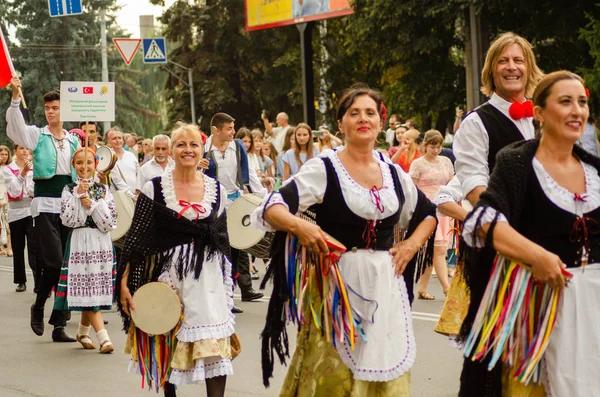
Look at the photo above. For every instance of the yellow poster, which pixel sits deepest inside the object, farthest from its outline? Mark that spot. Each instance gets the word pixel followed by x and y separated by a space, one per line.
pixel 264 14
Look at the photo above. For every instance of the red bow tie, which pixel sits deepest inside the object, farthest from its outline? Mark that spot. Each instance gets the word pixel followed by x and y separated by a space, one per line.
pixel 187 205
pixel 519 110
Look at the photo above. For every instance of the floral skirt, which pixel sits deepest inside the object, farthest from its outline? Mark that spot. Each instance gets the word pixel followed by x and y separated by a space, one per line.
pixel 317 370
pixel 455 307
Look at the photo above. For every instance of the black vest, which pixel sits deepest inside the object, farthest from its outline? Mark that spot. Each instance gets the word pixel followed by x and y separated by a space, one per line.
pixel 335 217
pixel 500 129
pixel 548 225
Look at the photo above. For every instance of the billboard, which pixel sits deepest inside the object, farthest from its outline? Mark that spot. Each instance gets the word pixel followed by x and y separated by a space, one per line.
pixel 265 14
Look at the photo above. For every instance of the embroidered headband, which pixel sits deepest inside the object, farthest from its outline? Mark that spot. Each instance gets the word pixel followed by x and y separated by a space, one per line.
pixel 81 149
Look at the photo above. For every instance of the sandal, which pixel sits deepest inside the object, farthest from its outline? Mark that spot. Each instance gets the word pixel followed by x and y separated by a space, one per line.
pixel 425 296
pixel 10 253
pixel 107 347
pixel 2 253
pixel 85 341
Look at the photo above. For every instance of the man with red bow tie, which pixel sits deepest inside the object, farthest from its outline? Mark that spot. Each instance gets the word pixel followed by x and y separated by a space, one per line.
pixel 508 76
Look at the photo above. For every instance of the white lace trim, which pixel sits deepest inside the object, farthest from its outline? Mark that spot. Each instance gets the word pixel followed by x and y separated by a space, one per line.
pixel 564 198
pixel 443 198
pixel 469 226
pixel 400 368
pixel 201 372
pixel 257 216
pixel 214 331
pixel 347 181
pixel 210 196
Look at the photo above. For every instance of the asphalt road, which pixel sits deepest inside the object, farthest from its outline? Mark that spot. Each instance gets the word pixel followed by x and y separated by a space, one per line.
pixel 32 366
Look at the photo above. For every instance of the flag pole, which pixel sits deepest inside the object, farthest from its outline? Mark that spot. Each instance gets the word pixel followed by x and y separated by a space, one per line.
pixel 12 67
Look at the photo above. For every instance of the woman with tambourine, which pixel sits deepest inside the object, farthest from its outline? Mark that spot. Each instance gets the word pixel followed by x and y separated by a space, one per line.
pixel 542 210
pixel 177 238
pixel 353 307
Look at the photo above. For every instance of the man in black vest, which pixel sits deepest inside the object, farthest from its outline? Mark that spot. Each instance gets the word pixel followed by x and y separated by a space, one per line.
pixel 509 75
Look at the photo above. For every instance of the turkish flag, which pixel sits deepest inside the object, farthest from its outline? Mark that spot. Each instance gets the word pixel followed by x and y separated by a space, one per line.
pixel 88 90
pixel 5 63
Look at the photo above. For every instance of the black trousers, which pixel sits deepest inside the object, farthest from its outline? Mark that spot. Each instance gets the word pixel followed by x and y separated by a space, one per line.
pixel 241 265
pixel 20 231
pixel 51 238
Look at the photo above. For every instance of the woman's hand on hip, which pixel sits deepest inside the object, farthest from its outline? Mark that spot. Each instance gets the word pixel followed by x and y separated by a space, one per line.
pixel 311 236
pixel 402 253
pixel 548 269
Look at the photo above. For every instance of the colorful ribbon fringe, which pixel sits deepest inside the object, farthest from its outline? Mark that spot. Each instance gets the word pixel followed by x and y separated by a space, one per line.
pixel 305 273
pixel 514 321
pixel 152 354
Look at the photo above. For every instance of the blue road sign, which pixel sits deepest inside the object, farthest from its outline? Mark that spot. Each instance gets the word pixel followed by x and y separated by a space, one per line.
pixel 59 8
pixel 155 50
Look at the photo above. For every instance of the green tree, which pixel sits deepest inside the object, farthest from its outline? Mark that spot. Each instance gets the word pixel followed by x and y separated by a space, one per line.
pixel 235 71
pixel 51 50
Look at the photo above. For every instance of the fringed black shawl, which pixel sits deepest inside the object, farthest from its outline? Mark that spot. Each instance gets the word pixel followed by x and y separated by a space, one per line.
pixel 506 193
pixel 274 335
pixel 155 233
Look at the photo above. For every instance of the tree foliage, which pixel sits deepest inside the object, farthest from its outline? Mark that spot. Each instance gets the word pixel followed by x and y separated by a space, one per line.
pixel 50 50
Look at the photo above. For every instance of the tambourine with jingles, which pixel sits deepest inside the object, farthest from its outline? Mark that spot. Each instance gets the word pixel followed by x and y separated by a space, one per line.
pixel 107 159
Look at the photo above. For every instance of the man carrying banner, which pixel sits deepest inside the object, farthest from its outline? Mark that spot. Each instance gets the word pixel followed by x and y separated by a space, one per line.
pixel 53 148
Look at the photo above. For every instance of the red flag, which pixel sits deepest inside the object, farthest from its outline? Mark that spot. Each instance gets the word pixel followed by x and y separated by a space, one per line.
pixel 6 67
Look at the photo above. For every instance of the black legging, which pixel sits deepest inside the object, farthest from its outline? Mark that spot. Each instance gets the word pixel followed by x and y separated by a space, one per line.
pixel 215 387
pixel 20 231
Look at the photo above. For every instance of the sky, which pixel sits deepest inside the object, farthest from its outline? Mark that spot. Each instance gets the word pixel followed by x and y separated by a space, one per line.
pixel 129 16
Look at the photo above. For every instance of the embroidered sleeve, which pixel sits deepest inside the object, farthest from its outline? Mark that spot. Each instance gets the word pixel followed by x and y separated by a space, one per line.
pixel 14 184
pixel 104 213
pixel 410 197
pixel 300 192
pixel 450 192
pixel 72 213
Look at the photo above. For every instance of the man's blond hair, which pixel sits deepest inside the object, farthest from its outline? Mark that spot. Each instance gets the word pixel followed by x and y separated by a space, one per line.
pixel 534 74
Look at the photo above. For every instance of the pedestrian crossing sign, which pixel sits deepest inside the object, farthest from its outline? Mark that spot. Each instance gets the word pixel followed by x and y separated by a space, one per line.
pixel 155 50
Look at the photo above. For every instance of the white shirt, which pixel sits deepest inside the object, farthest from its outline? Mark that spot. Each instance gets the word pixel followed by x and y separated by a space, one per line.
pixel 152 169
pixel 28 136
pixel 17 186
pixel 279 137
pixel 472 144
pixel 390 134
pixel 227 169
pixel 127 167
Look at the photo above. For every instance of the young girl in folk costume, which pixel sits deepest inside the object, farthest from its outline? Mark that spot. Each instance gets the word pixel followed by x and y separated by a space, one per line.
pixel 429 173
pixel 302 151
pixel 18 176
pixel 5 159
pixel 412 152
pixel 87 277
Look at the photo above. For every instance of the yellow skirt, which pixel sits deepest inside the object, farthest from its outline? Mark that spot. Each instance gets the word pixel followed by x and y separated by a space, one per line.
pixel 316 370
pixel 514 388
pixel 455 307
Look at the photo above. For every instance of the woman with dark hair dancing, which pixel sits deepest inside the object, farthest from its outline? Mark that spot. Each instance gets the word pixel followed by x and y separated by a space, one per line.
pixel 356 333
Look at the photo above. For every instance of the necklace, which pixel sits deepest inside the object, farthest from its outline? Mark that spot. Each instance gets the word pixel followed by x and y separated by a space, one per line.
pixel 61 143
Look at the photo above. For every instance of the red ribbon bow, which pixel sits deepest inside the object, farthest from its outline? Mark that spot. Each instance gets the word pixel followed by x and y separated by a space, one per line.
pixel 187 205
pixel 519 110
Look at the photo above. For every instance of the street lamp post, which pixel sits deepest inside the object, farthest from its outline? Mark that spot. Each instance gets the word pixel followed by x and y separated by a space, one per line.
pixel 189 84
